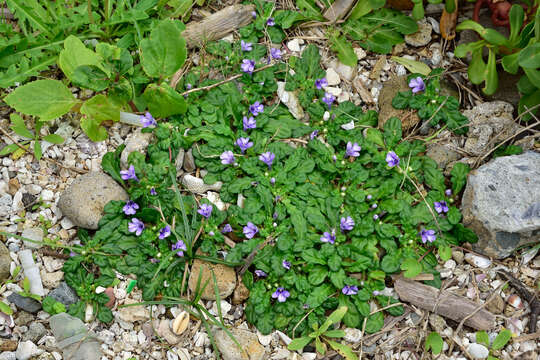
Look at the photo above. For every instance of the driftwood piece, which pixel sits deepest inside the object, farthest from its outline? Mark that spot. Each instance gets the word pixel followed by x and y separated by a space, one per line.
pixel 338 9
pixel 446 304
pixel 218 25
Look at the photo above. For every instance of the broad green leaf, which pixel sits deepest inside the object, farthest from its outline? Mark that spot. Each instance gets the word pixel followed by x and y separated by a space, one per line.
pixel 76 54
pixel 392 132
pixel 375 136
pixel 53 139
pixel 342 350
pixel 459 176
pixel 18 126
pixel 516 18
pixel 38 153
pixel 164 52
pixel 309 9
pixel 374 322
pixel 530 56
pixel 333 318
pixel 5 308
pixel 412 267
pixel 450 6
pixel 334 333
pixel 445 253
pixel 470 25
pixel 96 110
pixel 482 338
pixel 360 9
pixel 8 149
pixel 502 339
pixel 477 67
pixel 412 65
pixel 46 99
pixel 528 102
pixel 510 63
pixel 344 49
pixel 22 10
pixel 299 343
pixel 434 342
pixel 164 101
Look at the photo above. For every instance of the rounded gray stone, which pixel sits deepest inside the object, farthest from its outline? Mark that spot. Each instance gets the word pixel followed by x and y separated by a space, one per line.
pixel 5 262
pixel 501 204
pixel 83 201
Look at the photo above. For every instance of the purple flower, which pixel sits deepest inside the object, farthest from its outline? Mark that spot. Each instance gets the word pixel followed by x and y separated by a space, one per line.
pixel 350 290
pixel 260 273
pixel 376 293
pixel 441 207
pixel 189 86
pixel 153 192
pixel 250 230
pixel 226 229
pixel 205 210
pixel 392 159
pixel 253 14
pixel 328 99
pixel 448 192
pixel 375 217
pixel 417 85
pixel 275 53
pixel 369 197
pixel 244 144
pixel 72 254
pixel 346 224
pixel 249 123
pixel 246 46
pixel 270 22
pixel 272 180
pixel 248 66
pixel 257 108
pixel 147 120
pixel 154 260
pixel 374 206
pixel 136 226
pixel 129 173
pixel 164 232
pixel 281 294
pixel 180 246
pixel 353 150
pixel 320 83
pixel 428 235
pixel 329 237
pixel 211 233
pixel 267 158
pixel 286 264
pixel 227 157
pixel 130 208
pixel 313 134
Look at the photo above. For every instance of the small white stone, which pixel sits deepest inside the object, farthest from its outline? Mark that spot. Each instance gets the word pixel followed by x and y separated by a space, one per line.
pixel 287 340
pixel 47 195
pixel 100 289
pixel 352 335
pixel 26 350
pixel 309 356
pixel 171 355
pixel 360 53
pixel 264 339
pixel 478 351
pixel 229 38
pixel 450 264
pixel 66 223
pixel 348 126
pixel 333 90
pixel 345 72
pixel 326 116
pixel 332 77
pixel 400 70
pixel 294 45
pixel 478 261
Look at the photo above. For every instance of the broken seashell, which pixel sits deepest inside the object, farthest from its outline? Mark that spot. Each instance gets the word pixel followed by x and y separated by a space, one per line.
pixel 515 301
pixel 478 261
pixel 180 323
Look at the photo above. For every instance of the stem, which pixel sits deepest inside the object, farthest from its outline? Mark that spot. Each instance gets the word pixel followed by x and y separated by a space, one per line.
pixel 90 16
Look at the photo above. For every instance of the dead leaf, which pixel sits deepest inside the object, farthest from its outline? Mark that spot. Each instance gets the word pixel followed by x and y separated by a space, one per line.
pixel 448 23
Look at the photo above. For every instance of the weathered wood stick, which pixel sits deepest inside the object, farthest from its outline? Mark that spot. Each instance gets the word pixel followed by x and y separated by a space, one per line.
pixel 338 9
pixel 449 305
pixel 218 25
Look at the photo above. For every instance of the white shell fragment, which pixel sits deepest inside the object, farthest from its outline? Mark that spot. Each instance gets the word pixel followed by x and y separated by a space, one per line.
pixel 477 261
pixel 180 323
pixel 197 185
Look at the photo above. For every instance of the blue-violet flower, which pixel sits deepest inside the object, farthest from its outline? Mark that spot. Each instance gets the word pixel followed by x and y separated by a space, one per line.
pixel 205 210
pixel 250 230
pixel 350 290
pixel 417 85
pixel 353 150
pixel 281 294
pixel 130 208
pixel 248 66
pixel 164 232
pixel 249 123
pixel 392 159
pixel 129 174
pixel 267 158
pixel 246 46
pixel 244 144
pixel 441 207
pixel 428 235
pixel 136 226
pixel 346 224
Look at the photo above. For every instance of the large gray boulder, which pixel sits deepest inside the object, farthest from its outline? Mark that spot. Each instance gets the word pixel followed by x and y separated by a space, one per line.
pixel 83 201
pixel 501 204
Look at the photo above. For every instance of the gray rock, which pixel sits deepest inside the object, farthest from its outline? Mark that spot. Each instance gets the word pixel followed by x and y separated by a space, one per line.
pixel 64 294
pixel 5 262
pixel 137 141
pixel 179 162
pixel 8 355
pixel 73 338
pixel 422 37
pixel 442 154
pixel 23 318
pixel 225 279
pixel 189 161
pixel 83 201
pixel 487 121
pixel 249 342
pixel 25 303
pixel 35 234
pixel 501 204
pixel 478 351
pixel 5 204
pixel 35 332
pixel 27 350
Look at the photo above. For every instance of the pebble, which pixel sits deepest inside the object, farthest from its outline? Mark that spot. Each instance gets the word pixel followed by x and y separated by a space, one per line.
pixel 189 161
pixel 478 351
pixel 352 335
pixel 422 37
pixel 332 77
pixel 64 294
pixel 5 262
pixel 450 264
pixel 25 303
pixel 478 261
pixel 360 53
pixel 47 195
pixel 35 234
pixel 36 331
pixel 51 280
pixel 133 313
pixel 27 350
pixel 458 256
pixel 294 45
pixel 136 141
pixel 225 278
pixel 264 339
pixel 248 341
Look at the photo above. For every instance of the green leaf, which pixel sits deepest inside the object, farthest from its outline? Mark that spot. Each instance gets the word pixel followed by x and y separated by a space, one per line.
pixel 76 54
pixel 342 350
pixel 412 65
pixel 529 57
pixel 502 339
pixel 5 308
pixel 392 132
pixel 492 80
pixel 105 315
pixel 52 306
pixel 510 63
pixel 96 110
pixel 335 333
pixel 38 153
pixel 24 11
pixel 164 101
pixel 375 322
pixel 434 342
pixel 412 267
pixel 482 338
pixel 333 318
pixel 18 126
pixel 344 49
pixel 111 163
pixel 459 176
pixel 8 149
pixel 53 139
pixel 46 99
pixel 375 136
pixel 517 15
pixel 445 253
pixel 299 343
pixel 164 52
pixel 477 67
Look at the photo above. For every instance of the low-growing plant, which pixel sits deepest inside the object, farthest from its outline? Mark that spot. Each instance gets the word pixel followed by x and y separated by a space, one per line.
pixel 434 342
pixel 519 53
pixel 500 341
